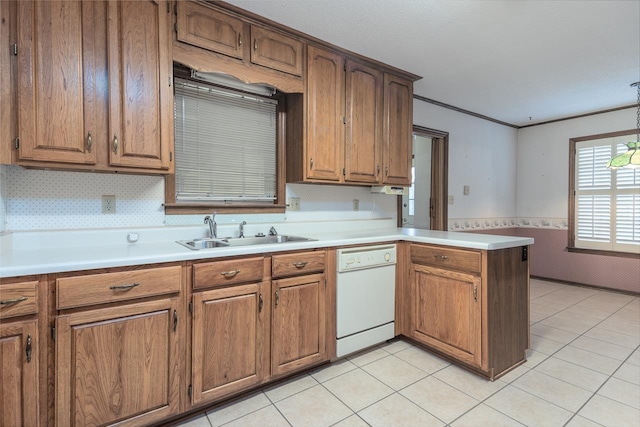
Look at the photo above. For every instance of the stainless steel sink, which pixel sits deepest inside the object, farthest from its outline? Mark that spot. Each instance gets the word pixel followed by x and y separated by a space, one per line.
pixel 197 244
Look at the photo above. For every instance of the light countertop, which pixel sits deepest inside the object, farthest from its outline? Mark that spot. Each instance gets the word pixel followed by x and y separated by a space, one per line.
pixel 29 259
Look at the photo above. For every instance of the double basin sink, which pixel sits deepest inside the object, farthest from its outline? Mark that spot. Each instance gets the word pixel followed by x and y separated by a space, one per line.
pixel 210 243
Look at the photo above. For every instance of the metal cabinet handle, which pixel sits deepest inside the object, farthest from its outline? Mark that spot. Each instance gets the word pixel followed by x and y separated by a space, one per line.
pixel 13 301
pixel 441 257
pixel 28 349
pixel 255 44
pixel 124 287
pixel 115 144
pixel 260 303
pixel 299 264
pixel 386 171
pixel 175 320
pixel 89 142
pixel 240 39
pixel 311 163
pixel 277 297
pixel 229 274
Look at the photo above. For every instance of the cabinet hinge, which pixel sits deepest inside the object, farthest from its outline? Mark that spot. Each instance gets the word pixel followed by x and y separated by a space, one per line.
pixel 344 66
pixel 175 9
pixel 175 27
pixel 170 156
pixel 16 143
pixel 344 172
pixel 168 7
pixel 15 49
pixel 53 333
pixel 191 307
pixel 344 120
pixel 189 390
pixel 475 293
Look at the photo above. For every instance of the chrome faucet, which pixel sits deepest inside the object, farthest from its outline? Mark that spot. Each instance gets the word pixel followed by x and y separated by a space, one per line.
pixel 213 226
pixel 273 232
pixel 242 224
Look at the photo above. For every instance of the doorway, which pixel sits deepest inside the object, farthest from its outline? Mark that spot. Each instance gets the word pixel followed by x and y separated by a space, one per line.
pixel 425 206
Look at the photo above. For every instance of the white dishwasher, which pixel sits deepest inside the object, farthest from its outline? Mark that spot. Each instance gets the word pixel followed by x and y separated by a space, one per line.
pixel 365 300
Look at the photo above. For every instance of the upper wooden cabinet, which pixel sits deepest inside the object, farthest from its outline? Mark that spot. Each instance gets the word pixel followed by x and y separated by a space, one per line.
pixel 57 83
pixel 354 125
pixel 397 130
pixel 363 141
pixel 275 50
pixel 140 84
pixel 212 29
pixel 323 159
pixel 96 89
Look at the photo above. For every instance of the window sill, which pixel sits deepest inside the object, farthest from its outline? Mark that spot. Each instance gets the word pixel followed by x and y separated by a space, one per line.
pixel 207 208
pixel 603 253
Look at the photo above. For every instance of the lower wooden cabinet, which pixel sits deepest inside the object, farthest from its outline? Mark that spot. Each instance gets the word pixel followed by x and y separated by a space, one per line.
pixel 230 333
pixel 445 311
pixel 19 373
pixel 298 336
pixel 469 305
pixel 118 364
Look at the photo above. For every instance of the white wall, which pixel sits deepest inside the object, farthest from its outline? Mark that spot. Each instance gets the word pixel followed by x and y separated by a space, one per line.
pixel 51 200
pixel 482 155
pixel 543 161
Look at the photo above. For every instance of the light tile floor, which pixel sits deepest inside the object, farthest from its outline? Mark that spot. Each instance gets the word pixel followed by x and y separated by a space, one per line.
pixel 583 369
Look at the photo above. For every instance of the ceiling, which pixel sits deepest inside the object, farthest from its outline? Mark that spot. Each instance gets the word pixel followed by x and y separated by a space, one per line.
pixel 520 62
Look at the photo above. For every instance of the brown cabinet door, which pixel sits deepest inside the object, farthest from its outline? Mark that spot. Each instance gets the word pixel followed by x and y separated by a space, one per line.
pixel 210 29
pixel 230 332
pixel 364 124
pixel 445 311
pixel 325 115
pixel 118 364
pixel 56 81
pixel 19 374
pixel 298 335
pixel 276 51
pixel 141 98
pixel 398 129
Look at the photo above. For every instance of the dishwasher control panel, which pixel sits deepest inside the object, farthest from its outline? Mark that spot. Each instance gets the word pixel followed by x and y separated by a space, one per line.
pixel 366 257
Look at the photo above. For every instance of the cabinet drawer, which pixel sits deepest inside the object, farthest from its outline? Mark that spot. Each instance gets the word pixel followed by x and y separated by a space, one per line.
pixel 94 289
pixel 297 263
pixel 18 299
pixel 221 273
pixel 447 258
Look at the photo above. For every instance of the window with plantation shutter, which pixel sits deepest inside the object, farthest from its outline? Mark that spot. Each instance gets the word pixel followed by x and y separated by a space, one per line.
pixel 606 201
pixel 225 145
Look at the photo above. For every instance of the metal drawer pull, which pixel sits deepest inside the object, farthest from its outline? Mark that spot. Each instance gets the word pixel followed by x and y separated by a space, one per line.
pixel 299 264
pixel 229 274
pixel 255 44
pixel 240 39
pixel 28 349
pixel 115 144
pixel 13 301
pixel 442 257
pixel 124 287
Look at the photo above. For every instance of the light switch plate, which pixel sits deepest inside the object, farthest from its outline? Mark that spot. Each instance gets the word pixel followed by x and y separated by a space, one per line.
pixel 294 203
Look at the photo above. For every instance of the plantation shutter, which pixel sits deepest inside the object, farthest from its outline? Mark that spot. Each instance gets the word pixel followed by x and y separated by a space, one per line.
pixel 225 145
pixel 607 202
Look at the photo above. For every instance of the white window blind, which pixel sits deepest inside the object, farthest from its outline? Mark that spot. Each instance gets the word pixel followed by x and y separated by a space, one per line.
pixel 607 202
pixel 225 145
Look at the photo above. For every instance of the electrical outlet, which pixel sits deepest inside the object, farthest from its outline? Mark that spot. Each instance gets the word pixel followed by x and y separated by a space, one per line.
pixel 450 199
pixel 294 203
pixel 465 190
pixel 356 204
pixel 109 204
